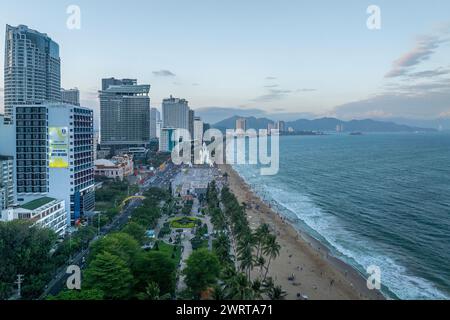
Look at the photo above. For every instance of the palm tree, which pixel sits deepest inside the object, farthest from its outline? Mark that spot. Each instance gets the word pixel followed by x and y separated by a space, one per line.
pixel 272 250
pixel 239 288
pixel 246 258
pixel 276 293
pixel 260 236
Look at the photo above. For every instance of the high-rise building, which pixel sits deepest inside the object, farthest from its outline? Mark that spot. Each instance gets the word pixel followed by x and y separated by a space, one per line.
pixel 124 114
pixel 32 69
pixel 281 126
pixel 167 139
pixel 191 122
pixel 106 83
pixel 54 155
pixel 6 182
pixel 155 116
pixel 175 113
pixel 198 130
pixel 159 126
pixel 241 124
pixel 70 96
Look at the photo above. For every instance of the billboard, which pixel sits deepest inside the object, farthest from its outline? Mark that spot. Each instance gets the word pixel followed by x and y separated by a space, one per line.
pixel 58 147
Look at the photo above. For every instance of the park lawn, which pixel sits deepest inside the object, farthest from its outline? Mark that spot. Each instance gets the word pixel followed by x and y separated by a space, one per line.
pixel 181 223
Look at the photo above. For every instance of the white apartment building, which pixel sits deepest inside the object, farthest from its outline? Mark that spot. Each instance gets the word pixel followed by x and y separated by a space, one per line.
pixel 44 212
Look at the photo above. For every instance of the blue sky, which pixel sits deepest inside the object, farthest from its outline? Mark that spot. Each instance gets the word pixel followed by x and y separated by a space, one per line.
pixel 283 57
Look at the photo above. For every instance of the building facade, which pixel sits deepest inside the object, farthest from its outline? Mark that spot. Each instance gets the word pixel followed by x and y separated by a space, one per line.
pixel 175 113
pixel 32 69
pixel 44 212
pixel 54 155
pixel 155 117
pixel 167 139
pixel 70 96
pixel 119 167
pixel 198 130
pixel 125 115
pixel 6 182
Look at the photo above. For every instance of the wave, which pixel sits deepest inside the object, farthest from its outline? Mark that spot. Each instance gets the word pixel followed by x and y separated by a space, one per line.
pixel 346 245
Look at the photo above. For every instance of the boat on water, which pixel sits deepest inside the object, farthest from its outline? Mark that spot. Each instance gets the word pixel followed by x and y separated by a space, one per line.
pixel 356 134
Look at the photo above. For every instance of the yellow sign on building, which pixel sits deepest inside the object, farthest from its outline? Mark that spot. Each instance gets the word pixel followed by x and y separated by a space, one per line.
pixel 58 147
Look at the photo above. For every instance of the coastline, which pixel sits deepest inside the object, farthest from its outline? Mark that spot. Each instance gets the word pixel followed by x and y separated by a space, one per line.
pixel 317 274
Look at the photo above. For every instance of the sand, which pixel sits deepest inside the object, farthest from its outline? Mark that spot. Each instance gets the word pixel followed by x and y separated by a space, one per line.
pixel 316 274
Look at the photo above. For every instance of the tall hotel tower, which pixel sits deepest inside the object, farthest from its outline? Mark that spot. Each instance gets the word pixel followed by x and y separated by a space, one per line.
pixel 52 141
pixel 124 114
pixel 32 69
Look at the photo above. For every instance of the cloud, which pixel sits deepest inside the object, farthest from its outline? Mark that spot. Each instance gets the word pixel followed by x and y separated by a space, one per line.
pixel 424 100
pixel 271 86
pixel 423 50
pixel 271 78
pixel 273 95
pixel 306 90
pixel 164 73
pixel 195 84
pixel 429 73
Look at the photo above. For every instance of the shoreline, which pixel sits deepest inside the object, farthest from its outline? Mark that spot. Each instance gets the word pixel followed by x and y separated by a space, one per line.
pixel 305 266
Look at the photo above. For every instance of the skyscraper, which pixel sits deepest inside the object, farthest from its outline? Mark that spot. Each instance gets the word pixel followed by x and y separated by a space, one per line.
pixel 124 114
pixel 155 116
pixel 106 83
pixel 191 122
pixel 71 96
pixel 32 69
pixel 198 130
pixel 175 113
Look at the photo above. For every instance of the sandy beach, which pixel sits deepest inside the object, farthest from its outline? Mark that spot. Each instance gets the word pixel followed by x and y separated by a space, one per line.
pixel 304 266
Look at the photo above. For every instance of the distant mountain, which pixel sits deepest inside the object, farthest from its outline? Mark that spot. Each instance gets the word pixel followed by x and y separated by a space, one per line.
pixel 252 122
pixel 324 124
pixel 439 123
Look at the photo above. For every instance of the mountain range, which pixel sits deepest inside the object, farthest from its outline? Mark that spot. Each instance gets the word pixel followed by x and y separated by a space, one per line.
pixel 324 125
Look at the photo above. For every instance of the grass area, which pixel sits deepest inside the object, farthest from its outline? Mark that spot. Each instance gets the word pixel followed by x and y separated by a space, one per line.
pixel 170 251
pixel 184 223
pixel 33 205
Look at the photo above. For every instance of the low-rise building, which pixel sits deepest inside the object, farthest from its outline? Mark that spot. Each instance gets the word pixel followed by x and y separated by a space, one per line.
pixel 44 212
pixel 118 167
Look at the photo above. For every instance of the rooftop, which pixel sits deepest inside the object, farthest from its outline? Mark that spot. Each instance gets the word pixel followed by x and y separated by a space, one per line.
pixel 35 204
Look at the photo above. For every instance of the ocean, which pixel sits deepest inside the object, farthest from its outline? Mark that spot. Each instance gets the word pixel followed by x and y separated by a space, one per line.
pixel 374 200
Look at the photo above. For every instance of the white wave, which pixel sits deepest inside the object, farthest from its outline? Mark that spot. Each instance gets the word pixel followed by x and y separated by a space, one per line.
pixel 354 249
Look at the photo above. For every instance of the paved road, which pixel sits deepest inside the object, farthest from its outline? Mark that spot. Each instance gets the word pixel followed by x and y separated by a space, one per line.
pixel 59 281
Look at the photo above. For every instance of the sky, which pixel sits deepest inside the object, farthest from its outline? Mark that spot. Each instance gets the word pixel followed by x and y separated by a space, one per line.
pixel 269 57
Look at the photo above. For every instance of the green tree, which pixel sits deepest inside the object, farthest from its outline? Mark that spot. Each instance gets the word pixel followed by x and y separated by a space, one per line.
pixel 110 274
pixel 93 294
pixel 202 271
pixel 271 249
pixel 136 231
pixel 119 244
pixel 156 267
pixel 25 250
